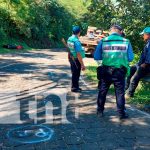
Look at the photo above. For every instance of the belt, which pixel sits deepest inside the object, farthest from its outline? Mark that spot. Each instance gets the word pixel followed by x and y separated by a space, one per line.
pixel 112 68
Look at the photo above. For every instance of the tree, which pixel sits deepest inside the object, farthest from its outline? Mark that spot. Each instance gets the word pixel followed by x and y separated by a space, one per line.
pixel 132 15
pixel 41 23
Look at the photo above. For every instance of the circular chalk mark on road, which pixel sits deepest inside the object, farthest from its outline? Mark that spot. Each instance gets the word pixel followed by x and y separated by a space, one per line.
pixel 30 134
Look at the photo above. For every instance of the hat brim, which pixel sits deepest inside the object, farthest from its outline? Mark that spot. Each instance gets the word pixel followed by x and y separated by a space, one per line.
pixel 144 33
pixel 141 33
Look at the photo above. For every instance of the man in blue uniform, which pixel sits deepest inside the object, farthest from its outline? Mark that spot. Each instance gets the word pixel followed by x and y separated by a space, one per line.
pixel 142 68
pixel 115 53
pixel 77 54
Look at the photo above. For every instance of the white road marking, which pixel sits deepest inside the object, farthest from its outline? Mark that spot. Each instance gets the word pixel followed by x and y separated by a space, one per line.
pixel 141 112
pixel 8 65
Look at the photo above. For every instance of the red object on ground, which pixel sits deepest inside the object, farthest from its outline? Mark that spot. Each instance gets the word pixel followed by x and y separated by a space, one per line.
pixel 19 47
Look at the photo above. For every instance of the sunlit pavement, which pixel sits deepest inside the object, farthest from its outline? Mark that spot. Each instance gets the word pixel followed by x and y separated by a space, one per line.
pixel 35 90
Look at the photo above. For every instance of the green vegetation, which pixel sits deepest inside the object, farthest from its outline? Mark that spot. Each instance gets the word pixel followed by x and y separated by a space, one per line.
pixel 91 72
pixel 76 7
pixel 14 42
pixel 38 23
pixel 132 15
pixel 92 76
pixel 142 95
pixel 42 23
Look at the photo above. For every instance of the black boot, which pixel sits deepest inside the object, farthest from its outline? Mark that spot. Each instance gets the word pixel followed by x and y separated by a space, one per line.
pixel 123 116
pixel 100 113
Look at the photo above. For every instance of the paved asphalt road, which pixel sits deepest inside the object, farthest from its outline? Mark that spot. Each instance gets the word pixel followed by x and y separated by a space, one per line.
pixel 35 90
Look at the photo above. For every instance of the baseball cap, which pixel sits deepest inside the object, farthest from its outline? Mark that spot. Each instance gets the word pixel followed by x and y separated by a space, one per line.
pixel 116 27
pixel 146 30
pixel 76 29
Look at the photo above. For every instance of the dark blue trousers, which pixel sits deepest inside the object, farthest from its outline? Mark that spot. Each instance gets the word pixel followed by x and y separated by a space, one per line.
pixel 136 73
pixel 114 76
pixel 75 70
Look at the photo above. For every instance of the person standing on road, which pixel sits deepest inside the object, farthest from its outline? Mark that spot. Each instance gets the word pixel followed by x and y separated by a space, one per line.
pixel 142 68
pixel 77 54
pixel 115 53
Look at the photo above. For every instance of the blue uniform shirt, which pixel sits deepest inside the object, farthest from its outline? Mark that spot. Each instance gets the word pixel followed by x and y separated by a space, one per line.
pixel 77 46
pixel 98 52
pixel 145 56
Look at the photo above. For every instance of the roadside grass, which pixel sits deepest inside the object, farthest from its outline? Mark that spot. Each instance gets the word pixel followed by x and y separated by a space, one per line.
pixel 142 94
pixel 91 73
pixel 92 76
pixel 14 42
